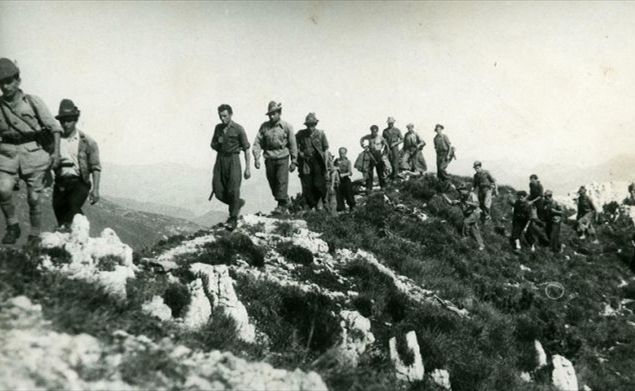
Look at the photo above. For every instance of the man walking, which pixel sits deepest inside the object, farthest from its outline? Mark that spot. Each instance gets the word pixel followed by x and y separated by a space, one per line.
pixel 412 159
pixel 276 141
pixel 228 141
pixel 443 147
pixel 24 122
pixel 375 147
pixel 312 167
pixel 79 161
pixel 469 206
pixel 485 187
pixel 551 213
pixel 586 215
pixel 393 138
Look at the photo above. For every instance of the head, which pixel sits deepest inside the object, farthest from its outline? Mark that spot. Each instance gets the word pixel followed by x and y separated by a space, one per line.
pixel 582 190
pixel 548 195
pixel 410 127
pixel 68 123
pixel 342 152
pixel 225 113
pixel 533 178
pixel 311 121
pixel 390 121
pixel 438 128
pixel 9 78
pixel 478 166
pixel 522 194
pixel 374 129
pixel 274 110
pixel 68 116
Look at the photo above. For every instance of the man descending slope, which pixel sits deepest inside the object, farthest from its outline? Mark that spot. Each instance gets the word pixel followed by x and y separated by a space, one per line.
pixel 276 141
pixel 24 122
pixel 393 138
pixel 79 161
pixel 551 213
pixel 468 203
pixel 312 167
pixel 485 187
pixel 228 140
pixel 586 215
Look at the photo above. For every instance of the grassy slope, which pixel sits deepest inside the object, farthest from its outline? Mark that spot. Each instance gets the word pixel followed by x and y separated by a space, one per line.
pixel 509 305
pixel 485 352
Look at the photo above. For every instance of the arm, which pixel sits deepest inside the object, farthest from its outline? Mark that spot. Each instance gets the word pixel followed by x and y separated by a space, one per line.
pixel 347 172
pixel 215 144
pixel 449 201
pixel 47 121
pixel 494 185
pixel 244 144
pixel 94 193
pixel 447 142
pixel 293 148
pixel 257 148
pixel 94 165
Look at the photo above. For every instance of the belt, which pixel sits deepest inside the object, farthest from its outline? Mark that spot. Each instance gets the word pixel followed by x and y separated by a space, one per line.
pixel 68 179
pixel 17 141
pixel 228 153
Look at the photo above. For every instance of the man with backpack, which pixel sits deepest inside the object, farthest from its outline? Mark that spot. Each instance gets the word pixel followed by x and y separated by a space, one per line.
pixel 27 131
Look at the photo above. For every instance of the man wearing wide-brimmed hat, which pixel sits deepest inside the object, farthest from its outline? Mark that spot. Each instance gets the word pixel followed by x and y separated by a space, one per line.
pixel 393 137
pixel 24 122
pixel 312 147
pixel 79 161
pixel 276 141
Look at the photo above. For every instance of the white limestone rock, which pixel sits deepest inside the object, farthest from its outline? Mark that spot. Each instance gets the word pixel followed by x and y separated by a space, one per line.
pixel 157 308
pixel 541 356
pixel 441 377
pixel 415 370
pixel 199 310
pixel 563 375
pixel 219 287
pixel 356 335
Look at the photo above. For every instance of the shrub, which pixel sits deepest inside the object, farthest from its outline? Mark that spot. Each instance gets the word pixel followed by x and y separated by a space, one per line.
pixel 177 297
pixel 295 254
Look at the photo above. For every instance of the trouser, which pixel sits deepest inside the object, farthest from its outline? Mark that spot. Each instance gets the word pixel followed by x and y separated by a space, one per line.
pixel 34 187
pixel 471 228
pixel 552 229
pixel 345 193
pixel 377 165
pixel 394 157
pixel 226 182
pixel 69 195
pixel 313 183
pixel 485 200
pixel 518 225
pixel 278 178
pixel 442 165
pixel 412 160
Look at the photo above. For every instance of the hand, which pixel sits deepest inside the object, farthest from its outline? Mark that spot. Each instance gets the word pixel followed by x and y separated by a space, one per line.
pixel 247 173
pixel 257 164
pixel 94 196
pixel 55 161
pixel 292 166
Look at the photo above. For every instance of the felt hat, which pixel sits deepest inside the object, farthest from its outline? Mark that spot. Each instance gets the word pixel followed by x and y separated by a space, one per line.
pixel 521 193
pixel 273 107
pixel 391 120
pixel 438 126
pixel 67 109
pixel 311 118
pixel 8 68
pixel 477 164
pixel 410 125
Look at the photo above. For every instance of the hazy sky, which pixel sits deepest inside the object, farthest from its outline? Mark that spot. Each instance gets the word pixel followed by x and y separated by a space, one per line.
pixel 524 82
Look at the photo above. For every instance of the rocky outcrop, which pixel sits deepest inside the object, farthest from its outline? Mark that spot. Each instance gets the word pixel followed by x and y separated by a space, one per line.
pixel 563 375
pixel 104 260
pixel 541 356
pixel 356 335
pixel 199 310
pixel 407 372
pixel 157 308
pixel 441 377
pixel 219 288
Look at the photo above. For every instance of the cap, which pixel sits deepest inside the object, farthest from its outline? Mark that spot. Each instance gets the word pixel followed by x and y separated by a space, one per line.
pixel 8 68
pixel 477 164
pixel 311 118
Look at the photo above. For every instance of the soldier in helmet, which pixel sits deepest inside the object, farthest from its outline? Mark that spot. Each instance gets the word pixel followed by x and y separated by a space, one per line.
pixel 27 130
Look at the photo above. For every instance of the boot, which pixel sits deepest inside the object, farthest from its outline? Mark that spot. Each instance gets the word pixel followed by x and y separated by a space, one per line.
pixel 12 235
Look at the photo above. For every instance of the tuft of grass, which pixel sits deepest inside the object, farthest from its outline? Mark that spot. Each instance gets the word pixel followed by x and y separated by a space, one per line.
pixel 295 254
pixel 285 228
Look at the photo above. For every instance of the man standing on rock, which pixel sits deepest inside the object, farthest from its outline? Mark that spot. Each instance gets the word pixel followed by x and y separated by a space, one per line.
pixel 312 162
pixel 228 141
pixel 27 128
pixel 393 138
pixel 443 147
pixel 375 147
pixel 79 161
pixel 485 187
pixel 276 141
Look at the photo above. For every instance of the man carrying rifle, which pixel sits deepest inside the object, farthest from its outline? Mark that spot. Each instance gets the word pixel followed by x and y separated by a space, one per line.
pixel 375 147
pixel 27 129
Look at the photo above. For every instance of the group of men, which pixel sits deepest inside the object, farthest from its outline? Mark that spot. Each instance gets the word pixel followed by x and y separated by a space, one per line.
pixel 33 147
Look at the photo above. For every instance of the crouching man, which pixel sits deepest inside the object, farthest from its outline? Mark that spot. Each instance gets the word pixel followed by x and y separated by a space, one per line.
pixel 79 162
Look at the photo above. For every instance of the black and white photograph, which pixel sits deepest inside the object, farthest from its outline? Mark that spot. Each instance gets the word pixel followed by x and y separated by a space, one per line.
pixel 317 195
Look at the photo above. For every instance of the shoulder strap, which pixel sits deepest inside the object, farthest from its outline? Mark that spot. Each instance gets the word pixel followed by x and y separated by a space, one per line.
pixel 6 119
pixel 29 100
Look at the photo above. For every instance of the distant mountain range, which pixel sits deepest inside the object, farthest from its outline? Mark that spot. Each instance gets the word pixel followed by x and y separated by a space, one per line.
pixel 182 191
pixel 136 228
